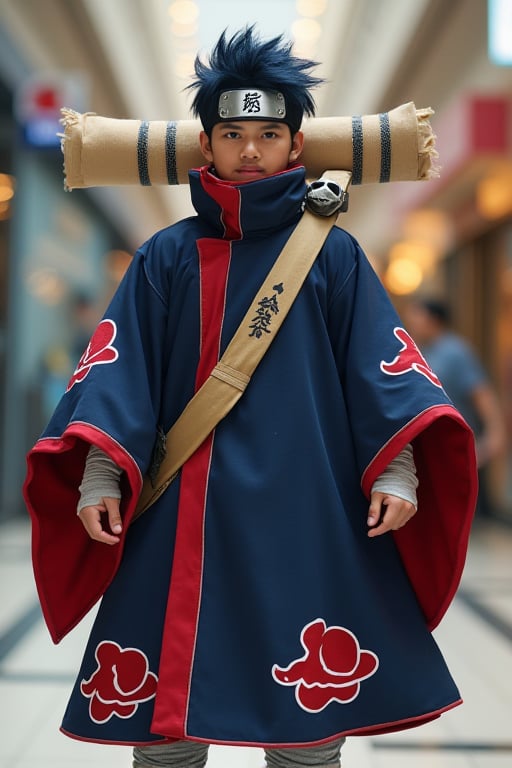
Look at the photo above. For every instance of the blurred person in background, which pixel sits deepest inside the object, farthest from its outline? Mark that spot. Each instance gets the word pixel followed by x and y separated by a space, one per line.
pixel 465 381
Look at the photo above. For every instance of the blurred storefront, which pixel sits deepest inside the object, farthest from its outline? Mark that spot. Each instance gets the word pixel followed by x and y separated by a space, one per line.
pixel 457 244
pixel 7 192
pixel 61 258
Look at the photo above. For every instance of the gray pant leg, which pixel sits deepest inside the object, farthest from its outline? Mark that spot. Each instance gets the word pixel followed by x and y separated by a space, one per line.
pixel 192 754
pixel 179 754
pixel 320 756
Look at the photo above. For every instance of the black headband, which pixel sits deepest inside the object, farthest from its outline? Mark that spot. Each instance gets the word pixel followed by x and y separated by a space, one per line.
pixel 253 104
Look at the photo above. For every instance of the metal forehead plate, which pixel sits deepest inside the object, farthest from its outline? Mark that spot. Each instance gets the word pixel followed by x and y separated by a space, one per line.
pixel 245 103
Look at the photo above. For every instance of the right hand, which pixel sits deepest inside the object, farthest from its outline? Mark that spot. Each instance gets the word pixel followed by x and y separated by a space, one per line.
pixel 94 522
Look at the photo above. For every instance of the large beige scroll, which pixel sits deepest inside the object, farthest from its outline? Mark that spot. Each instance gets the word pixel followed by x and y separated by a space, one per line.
pixel 398 145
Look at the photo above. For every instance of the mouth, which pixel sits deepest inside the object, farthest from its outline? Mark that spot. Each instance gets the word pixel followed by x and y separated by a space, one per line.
pixel 250 170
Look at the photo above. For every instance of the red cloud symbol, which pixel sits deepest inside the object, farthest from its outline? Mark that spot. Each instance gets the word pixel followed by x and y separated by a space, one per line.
pixel 331 669
pixel 120 683
pixel 99 351
pixel 409 358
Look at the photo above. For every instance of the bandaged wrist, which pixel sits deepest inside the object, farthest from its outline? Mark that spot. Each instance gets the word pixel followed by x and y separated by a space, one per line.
pixel 100 479
pixel 399 478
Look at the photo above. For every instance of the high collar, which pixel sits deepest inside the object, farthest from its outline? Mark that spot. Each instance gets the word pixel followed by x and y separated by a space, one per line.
pixel 250 209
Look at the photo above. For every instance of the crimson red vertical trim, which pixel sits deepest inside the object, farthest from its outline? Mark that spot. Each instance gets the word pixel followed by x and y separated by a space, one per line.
pixel 179 639
pixel 214 257
pixel 227 196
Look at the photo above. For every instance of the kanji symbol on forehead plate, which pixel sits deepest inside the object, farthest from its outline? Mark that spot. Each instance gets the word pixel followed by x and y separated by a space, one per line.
pixel 251 102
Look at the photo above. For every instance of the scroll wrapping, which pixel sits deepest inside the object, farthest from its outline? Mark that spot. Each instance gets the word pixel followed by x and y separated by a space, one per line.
pixel 398 145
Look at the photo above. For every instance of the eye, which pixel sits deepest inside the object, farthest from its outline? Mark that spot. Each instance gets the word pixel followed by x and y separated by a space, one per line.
pixel 231 135
pixel 269 135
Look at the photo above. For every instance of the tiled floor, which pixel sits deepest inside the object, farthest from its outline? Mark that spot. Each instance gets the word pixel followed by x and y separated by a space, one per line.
pixel 476 638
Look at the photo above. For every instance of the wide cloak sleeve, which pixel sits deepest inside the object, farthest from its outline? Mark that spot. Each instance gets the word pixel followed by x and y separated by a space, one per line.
pixel 393 398
pixel 112 401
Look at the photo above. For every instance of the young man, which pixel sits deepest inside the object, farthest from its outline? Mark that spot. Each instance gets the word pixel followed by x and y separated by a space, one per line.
pixel 273 595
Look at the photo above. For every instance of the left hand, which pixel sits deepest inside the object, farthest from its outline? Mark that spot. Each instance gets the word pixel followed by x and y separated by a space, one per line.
pixel 93 520
pixel 388 513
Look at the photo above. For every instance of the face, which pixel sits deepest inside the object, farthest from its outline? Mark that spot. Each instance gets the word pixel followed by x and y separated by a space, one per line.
pixel 250 149
pixel 421 325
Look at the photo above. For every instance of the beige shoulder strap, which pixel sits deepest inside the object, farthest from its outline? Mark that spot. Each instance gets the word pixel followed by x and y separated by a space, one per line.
pixel 230 377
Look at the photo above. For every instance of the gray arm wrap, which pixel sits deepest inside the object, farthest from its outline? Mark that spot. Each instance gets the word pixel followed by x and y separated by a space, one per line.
pixel 399 477
pixel 101 478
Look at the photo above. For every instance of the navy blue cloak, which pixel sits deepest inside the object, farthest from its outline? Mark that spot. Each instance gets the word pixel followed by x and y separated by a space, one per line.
pixel 248 605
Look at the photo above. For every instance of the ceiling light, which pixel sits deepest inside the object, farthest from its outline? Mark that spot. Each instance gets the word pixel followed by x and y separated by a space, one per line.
pixel 184 11
pixel 311 7
pixel 494 193
pixel 6 187
pixel 403 276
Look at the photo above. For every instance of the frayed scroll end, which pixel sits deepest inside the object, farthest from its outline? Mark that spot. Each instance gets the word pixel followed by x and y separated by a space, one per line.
pixel 71 145
pixel 69 117
pixel 428 167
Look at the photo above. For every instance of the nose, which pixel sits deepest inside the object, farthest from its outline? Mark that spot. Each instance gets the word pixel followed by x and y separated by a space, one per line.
pixel 250 150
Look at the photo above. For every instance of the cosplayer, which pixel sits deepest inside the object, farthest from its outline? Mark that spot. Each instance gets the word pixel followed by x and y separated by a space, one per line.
pixel 281 592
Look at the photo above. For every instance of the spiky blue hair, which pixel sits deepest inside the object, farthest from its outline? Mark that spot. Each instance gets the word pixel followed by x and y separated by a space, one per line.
pixel 243 61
